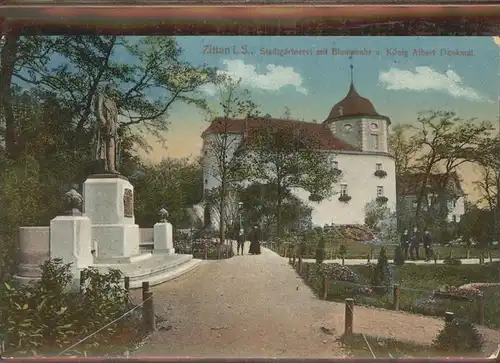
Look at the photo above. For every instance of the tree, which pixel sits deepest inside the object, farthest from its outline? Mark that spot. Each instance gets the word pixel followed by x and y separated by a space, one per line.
pixel 259 202
pixel 223 148
pixel 286 156
pixel 148 72
pixel 174 184
pixel 489 184
pixel 381 278
pixel 444 142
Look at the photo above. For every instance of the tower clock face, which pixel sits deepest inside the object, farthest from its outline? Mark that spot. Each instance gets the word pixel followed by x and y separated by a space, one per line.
pixel 374 126
pixel 347 127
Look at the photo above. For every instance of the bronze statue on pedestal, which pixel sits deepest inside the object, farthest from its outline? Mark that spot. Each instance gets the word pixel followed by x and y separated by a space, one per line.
pixel 106 138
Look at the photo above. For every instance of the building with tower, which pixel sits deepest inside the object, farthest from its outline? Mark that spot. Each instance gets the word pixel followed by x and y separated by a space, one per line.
pixel 355 133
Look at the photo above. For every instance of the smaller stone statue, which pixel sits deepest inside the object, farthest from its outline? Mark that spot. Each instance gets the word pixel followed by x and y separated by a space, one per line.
pixel 163 215
pixel 73 202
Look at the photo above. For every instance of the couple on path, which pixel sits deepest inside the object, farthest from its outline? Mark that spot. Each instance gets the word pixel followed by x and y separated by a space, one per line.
pixel 412 243
pixel 254 242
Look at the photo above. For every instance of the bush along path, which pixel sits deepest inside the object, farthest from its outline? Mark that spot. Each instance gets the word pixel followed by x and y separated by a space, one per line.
pixel 47 317
pixel 257 306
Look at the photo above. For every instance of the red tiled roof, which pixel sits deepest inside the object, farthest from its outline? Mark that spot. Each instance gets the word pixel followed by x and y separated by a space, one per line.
pixel 319 133
pixel 353 105
pixel 412 183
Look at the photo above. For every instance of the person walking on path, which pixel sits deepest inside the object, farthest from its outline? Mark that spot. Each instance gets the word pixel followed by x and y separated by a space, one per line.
pixel 254 242
pixel 405 243
pixel 427 240
pixel 415 244
pixel 241 241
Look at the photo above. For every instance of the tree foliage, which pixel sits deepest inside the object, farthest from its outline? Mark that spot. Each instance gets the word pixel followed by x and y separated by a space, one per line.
pixel 287 157
pixel 174 184
pixel 259 208
pixel 437 144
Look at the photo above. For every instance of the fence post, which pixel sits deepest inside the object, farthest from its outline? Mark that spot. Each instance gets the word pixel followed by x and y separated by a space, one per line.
pixel 480 309
pixel 293 260
pixel 325 287
pixel 82 280
pixel 127 283
pixel 396 297
pixel 306 272
pixel 490 256
pixel 149 312
pixel 448 317
pixel 205 253
pixel 349 316
pixel 299 268
pixel 145 289
pixel 368 257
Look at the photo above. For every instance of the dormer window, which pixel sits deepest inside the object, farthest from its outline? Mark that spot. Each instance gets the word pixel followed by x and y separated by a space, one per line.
pixel 378 166
pixel 347 127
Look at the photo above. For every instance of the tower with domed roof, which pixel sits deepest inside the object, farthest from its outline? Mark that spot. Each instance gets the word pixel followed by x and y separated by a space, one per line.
pixel 355 120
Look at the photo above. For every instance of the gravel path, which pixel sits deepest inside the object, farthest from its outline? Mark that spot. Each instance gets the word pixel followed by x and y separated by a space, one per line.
pixel 257 306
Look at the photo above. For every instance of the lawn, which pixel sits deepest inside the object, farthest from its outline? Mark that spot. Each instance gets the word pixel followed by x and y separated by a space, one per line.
pixel 417 284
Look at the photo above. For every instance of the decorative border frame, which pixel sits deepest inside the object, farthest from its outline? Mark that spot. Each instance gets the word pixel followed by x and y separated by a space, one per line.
pixel 251 18
pixel 216 19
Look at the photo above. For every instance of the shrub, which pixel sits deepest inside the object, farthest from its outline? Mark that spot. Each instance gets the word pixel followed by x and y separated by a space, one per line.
pixel 320 250
pixel 336 272
pixel 452 261
pixel 381 278
pixel 399 258
pixel 459 336
pixel 50 313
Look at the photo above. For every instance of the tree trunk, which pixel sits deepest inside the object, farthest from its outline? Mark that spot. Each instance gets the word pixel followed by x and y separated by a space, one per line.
pixel 7 63
pixel 497 209
pixel 222 216
pixel 279 203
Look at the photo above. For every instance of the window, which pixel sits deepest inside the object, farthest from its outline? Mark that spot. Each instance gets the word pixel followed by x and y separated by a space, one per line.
pixel 343 189
pixel 335 164
pixel 380 191
pixel 378 166
pixel 375 141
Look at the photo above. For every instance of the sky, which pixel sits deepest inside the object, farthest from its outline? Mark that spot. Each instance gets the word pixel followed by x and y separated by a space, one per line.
pixel 393 73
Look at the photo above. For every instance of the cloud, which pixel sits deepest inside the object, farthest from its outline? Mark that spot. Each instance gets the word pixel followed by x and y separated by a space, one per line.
pixel 427 79
pixel 273 78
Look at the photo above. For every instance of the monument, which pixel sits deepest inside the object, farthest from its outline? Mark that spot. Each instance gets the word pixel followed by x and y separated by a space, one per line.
pixel 108 195
pixel 98 229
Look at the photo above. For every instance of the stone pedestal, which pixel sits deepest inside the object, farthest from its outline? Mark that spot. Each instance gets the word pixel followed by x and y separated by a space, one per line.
pixel 116 240
pixel 163 238
pixel 109 203
pixel 71 241
pixel 108 199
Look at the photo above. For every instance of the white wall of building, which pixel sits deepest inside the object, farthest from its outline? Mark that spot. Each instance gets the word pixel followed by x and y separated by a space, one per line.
pixel 358 175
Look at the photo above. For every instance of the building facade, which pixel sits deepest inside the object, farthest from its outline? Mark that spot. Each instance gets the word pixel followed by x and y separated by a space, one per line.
pixel 355 135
